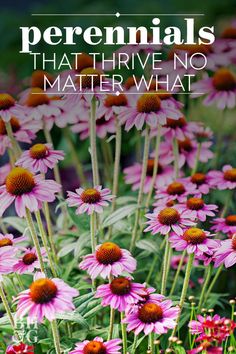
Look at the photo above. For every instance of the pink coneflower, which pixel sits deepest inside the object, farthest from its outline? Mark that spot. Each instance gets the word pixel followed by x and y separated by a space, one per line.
pixel 199 208
pixel 26 191
pixel 133 175
pixel 152 317
pixel 226 225
pixel 120 293
pixel 38 105
pixel 9 108
pixel 108 260
pixel 225 179
pixel 175 128
pixel 4 170
pixel 193 240
pixel 189 151
pixel 149 109
pixel 226 253
pixel 103 127
pixel 112 104
pixel 7 260
pixel 40 158
pixel 98 346
pixel 20 348
pixel 23 130
pixel 8 240
pixel 177 191
pixel 150 296
pixel 90 200
pixel 169 219
pixel 201 180
pixel 45 298
pixel 29 262
pixel 220 89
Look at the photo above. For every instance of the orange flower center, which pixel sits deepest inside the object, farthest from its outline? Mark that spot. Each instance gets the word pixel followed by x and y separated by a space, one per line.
pixel 91 78
pixel 234 242
pixel 150 167
pixel 94 347
pixel 6 101
pixel 29 258
pixel 37 78
pixel 175 188
pixel 36 97
pixel 198 178
pixel 175 123
pixel 194 235
pixel 38 151
pixel 83 61
pixel 148 102
pixel 19 181
pixel 195 203
pixel 91 196
pixel 15 125
pixel 150 313
pixel 230 220
pixel 230 175
pixel 113 100
pixel 168 216
pixel 108 253
pixel 224 80
pixel 130 82
pixel 229 33
pixel 43 291
pixel 164 94
pixel 185 145
pixel 120 286
pixel 5 242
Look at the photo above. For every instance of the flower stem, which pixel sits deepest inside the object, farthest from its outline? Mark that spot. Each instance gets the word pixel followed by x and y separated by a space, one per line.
pixel 134 344
pixel 214 280
pixel 56 337
pixel 8 310
pixel 116 169
pixel 205 285
pixel 93 146
pixel 165 267
pixel 35 238
pixel 152 268
pixel 184 289
pixel 155 167
pixel 177 273
pixel 116 163
pixel 140 195
pixel 15 146
pixel 176 156
pixel 194 170
pixel 75 157
pixel 151 341
pixel 111 325
pixel 3 227
pixel 45 243
pixel 93 231
pixel 50 232
pixel 124 333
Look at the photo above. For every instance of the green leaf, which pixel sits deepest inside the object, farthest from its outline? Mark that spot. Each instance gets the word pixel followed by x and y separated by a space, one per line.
pixel 119 214
pixel 148 245
pixel 81 221
pixel 67 249
pixel 74 316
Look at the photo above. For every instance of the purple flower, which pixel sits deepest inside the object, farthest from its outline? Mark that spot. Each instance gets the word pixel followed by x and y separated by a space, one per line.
pixel 226 253
pixel 225 179
pixel 97 345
